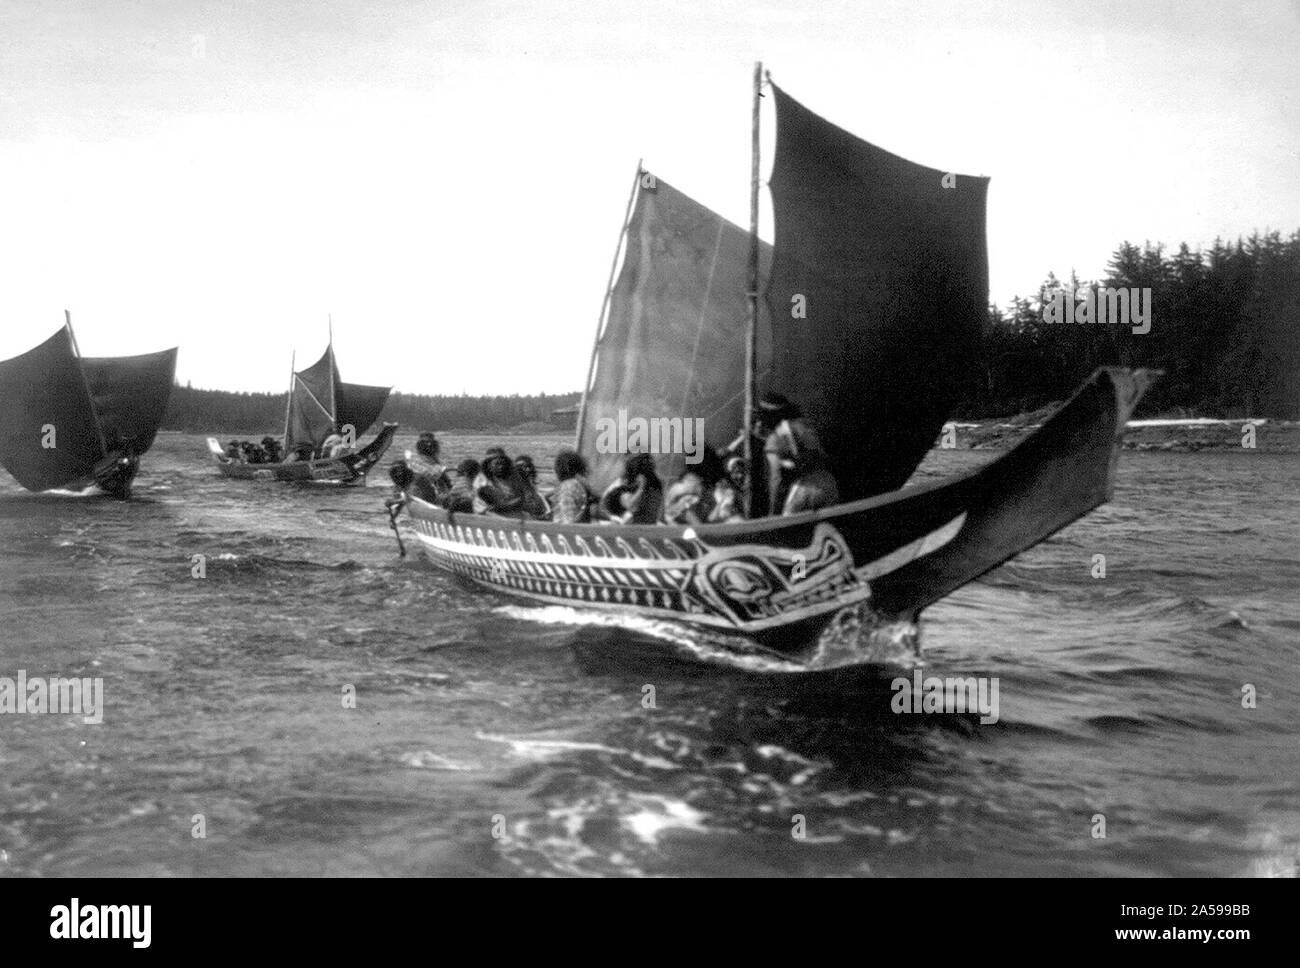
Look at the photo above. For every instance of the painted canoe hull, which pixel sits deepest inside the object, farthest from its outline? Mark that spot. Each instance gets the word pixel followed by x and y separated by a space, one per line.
pixel 351 469
pixel 782 581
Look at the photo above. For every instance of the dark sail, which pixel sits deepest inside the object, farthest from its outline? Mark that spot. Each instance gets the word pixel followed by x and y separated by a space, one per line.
pixel 892 268
pixel 673 345
pixel 130 395
pixel 310 400
pixel 316 379
pixel 310 417
pixel 44 388
pixel 359 405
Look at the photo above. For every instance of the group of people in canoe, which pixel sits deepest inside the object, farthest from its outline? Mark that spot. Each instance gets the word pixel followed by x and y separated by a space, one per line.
pixel 252 452
pixel 796 476
pixel 270 451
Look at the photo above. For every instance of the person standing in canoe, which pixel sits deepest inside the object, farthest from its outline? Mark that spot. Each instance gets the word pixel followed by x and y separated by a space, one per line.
pixel 798 471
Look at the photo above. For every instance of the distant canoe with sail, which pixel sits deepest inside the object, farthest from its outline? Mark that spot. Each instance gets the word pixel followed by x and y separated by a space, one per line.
pixel 886 262
pixel 320 404
pixel 72 422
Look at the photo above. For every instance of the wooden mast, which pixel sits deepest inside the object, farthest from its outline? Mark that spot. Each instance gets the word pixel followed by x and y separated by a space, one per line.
pixel 604 307
pixel 751 326
pixel 288 401
pixel 334 414
pixel 76 351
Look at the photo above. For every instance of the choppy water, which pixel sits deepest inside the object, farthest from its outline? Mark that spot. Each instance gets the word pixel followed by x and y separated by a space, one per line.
pixel 491 739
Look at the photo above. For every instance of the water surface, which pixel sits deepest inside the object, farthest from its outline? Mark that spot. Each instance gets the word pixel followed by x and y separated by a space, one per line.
pixel 494 739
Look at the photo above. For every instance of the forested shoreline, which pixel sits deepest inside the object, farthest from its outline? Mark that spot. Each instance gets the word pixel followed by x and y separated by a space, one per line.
pixel 223 411
pixel 1225 329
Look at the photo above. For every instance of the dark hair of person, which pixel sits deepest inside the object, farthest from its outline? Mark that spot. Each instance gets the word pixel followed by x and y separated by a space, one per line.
pixel 498 466
pixel 641 464
pixel 711 468
pixel 427 444
pixel 526 467
pixel 469 467
pixel 400 474
pixel 569 463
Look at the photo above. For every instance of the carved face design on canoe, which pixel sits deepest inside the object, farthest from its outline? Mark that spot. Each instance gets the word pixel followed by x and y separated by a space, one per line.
pixel 749 583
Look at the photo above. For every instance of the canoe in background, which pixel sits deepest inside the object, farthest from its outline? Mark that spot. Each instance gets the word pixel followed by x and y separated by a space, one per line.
pixel 350 469
pixel 70 422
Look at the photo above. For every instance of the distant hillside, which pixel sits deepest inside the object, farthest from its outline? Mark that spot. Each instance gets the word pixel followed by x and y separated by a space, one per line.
pixel 226 412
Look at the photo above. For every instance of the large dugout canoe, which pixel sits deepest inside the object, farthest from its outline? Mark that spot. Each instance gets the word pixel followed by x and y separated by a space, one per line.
pixel 781 581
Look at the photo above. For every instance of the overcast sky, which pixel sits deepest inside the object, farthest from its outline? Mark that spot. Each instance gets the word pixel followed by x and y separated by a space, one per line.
pixel 448 177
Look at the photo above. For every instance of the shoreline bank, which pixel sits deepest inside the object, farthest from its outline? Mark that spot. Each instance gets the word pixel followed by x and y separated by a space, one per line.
pixel 1186 435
